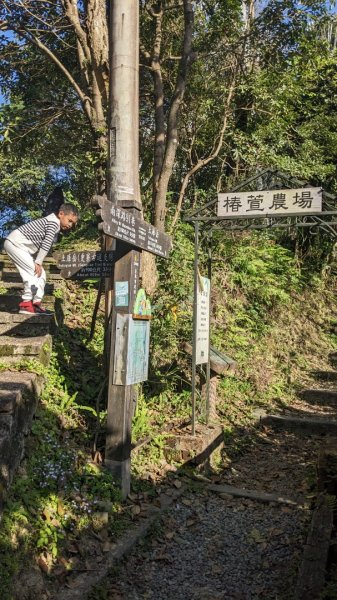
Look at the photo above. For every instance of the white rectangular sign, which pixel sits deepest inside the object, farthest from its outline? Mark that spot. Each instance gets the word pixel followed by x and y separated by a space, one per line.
pixel 203 300
pixel 270 202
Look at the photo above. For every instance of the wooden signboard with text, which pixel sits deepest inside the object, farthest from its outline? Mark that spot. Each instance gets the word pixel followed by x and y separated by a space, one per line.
pixel 270 202
pixel 88 264
pixel 123 225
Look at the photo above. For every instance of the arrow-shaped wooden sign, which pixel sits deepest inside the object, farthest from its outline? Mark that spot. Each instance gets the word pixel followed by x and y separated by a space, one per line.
pixel 121 224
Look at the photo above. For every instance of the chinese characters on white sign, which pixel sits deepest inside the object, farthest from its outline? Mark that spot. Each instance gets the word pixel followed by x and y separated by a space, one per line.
pixel 203 300
pixel 270 202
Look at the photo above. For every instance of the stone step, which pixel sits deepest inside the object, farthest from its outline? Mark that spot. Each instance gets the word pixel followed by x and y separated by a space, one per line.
pixel 49 264
pixel 23 347
pixel 9 267
pixel 17 285
pixel 18 400
pixel 48 260
pixel 14 324
pixel 16 349
pixel 13 275
pixel 11 362
pixel 322 396
pixel 325 375
pixel 10 302
pixel 313 425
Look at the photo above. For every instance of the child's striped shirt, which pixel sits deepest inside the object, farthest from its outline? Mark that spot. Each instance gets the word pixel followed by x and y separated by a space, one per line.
pixel 40 234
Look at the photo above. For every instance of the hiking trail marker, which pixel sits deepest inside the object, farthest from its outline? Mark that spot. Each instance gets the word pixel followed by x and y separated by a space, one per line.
pixel 203 320
pixel 86 264
pixel 123 225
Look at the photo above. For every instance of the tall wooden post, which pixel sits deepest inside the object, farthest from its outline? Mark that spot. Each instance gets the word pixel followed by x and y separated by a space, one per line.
pixel 123 177
pixel 123 190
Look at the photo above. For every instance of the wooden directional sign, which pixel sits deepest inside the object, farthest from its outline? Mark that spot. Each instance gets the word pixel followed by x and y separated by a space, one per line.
pixel 122 225
pixel 87 264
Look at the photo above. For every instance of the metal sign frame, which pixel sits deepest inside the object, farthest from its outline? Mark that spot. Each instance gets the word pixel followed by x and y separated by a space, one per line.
pixel 206 221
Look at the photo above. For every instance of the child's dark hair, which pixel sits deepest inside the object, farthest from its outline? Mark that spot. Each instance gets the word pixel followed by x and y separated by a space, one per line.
pixel 68 209
pixel 54 200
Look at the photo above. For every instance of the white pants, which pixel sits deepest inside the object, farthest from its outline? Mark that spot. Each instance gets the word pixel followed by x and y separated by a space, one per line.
pixel 33 286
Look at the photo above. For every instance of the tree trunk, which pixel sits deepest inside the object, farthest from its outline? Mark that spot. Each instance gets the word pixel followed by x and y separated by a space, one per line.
pixel 161 187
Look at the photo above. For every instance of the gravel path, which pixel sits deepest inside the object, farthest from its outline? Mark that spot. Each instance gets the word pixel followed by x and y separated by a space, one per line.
pixel 214 548
pixel 211 546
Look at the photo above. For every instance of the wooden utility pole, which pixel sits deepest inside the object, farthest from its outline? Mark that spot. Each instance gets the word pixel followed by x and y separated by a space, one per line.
pixel 123 190
pixel 123 177
pixel 128 334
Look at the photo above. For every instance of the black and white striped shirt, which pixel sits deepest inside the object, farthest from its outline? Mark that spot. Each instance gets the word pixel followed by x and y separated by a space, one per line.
pixel 41 234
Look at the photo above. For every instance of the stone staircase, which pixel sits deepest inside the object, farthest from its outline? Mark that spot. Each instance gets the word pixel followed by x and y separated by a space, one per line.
pixel 22 337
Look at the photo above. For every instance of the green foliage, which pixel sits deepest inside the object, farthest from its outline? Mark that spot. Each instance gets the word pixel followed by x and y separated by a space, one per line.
pixel 173 300
pixel 141 425
pixel 56 494
pixel 266 271
pixel 294 106
pixel 258 277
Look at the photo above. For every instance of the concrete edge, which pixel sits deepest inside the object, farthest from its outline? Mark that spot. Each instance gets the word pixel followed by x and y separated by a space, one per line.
pixel 312 571
pixel 86 581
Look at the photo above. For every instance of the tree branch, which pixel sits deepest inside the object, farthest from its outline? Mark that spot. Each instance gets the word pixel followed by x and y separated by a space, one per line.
pixel 71 12
pixel 202 162
pixel 85 100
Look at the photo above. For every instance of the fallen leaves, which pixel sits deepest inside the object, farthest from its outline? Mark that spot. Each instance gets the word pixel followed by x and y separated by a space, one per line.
pixel 135 510
pixel 186 501
pixel 60 507
pixel 107 546
pixel 256 536
pixel 43 563
pixel 100 520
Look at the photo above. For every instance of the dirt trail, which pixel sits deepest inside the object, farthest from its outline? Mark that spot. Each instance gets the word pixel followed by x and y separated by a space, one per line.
pixel 215 546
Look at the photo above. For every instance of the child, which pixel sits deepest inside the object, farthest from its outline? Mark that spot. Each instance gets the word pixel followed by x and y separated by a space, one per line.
pixel 28 245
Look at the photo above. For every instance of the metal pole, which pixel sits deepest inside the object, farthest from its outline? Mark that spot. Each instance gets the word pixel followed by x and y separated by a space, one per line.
pixel 208 368
pixel 194 340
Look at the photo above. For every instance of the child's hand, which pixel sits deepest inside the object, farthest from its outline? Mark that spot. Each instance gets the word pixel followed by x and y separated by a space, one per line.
pixel 38 270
